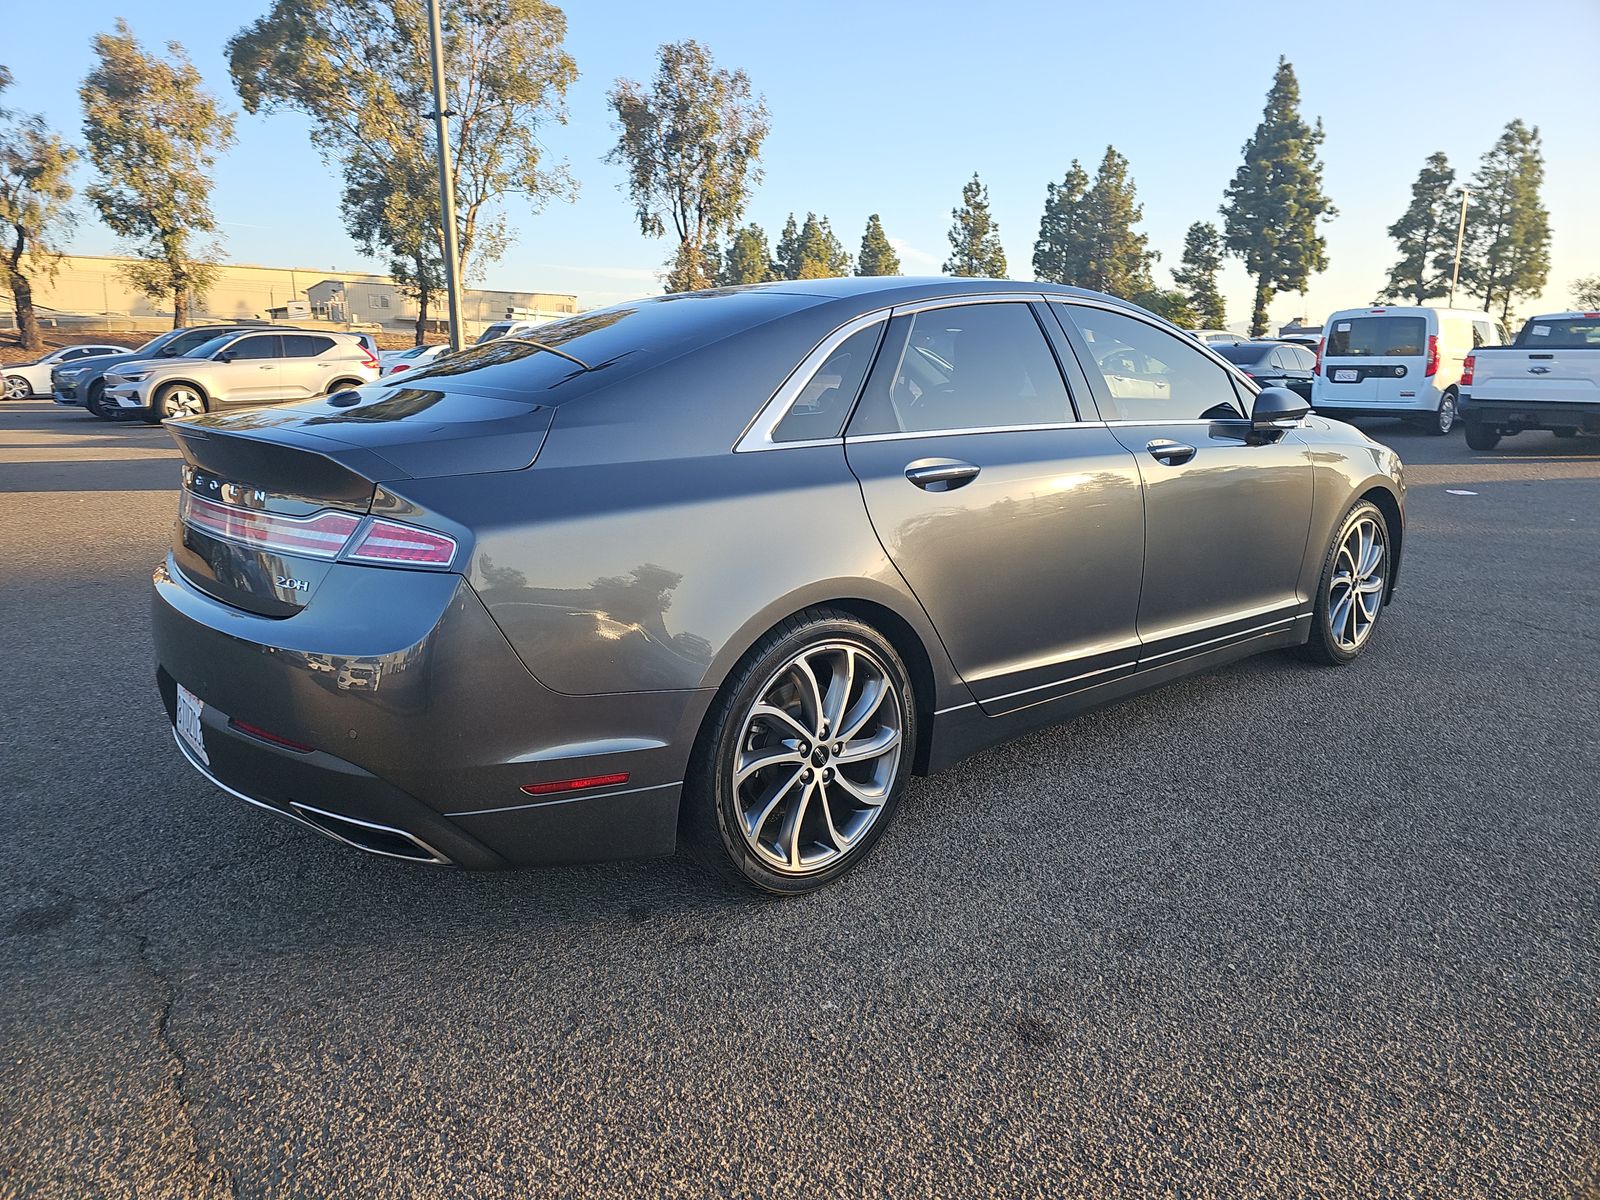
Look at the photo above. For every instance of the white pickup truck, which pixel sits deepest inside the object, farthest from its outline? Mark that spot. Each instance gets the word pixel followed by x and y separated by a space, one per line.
pixel 1549 378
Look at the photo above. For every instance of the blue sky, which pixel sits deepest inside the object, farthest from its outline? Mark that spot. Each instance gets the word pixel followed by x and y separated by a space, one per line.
pixel 889 107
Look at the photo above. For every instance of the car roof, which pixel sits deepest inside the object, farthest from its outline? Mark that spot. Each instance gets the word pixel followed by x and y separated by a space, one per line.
pixel 1407 310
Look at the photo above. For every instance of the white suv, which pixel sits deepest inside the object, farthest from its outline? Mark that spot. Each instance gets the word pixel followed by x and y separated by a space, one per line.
pixel 237 369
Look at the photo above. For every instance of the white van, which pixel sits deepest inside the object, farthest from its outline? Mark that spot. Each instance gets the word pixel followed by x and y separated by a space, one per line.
pixel 1398 362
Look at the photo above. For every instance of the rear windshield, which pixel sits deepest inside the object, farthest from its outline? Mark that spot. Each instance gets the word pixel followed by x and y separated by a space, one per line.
pixel 1561 333
pixel 1242 353
pixel 1377 337
pixel 607 339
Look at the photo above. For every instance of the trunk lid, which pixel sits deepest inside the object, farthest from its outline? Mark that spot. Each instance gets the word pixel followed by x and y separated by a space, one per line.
pixel 1550 376
pixel 272 498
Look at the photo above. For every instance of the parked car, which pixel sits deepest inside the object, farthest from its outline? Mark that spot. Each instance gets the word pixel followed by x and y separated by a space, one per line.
pixel 234 369
pixel 502 329
pixel 736 565
pixel 83 383
pixel 1399 362
pixel 24 380
pixel 1215 336
pixel 1549 378
pixel 392 362
pixel 1273 364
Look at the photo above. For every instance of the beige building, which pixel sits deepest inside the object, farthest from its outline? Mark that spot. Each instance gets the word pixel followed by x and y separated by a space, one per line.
pixel 89 292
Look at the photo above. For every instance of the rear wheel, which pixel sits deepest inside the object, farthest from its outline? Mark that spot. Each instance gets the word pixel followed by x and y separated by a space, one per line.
pixel 176 400
pixel 1355 579
pixel 1444 420
pixel 341 385
pixel 1481 436
pixel 804 756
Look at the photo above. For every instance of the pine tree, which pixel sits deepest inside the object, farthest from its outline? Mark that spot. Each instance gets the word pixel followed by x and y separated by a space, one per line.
pixel 1061 255
pixel 1507 252
pixel 877 256
pixel 975 248
pixel 1426 236
pixel 1275 201
pixel 749 258
pixel 1119 260
pixel 811 250
pixel 153 133
pixel 1197 275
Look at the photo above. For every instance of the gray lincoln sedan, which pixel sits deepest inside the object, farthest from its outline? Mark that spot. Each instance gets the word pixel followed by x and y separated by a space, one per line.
pixel 727 568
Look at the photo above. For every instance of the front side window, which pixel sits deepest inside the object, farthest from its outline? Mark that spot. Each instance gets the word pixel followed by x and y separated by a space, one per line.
pixel 970 366
pixel 265 346
pixel 819 411
pixel 1151 375
pixel 1377 337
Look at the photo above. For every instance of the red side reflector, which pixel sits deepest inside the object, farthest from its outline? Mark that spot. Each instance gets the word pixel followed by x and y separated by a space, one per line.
pixel 575 785
pixel 402 545
pixel 256 731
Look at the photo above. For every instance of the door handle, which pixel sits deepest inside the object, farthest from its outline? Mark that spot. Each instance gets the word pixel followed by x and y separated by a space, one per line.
pixel 1170 453
pixel 268 367
pixel 940 474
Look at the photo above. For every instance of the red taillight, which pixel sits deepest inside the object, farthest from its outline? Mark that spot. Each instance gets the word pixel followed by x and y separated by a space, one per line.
pixel 1433 356
pixel 1316 367
pixel 401 367
pixel 575 785
pixel 319 536
pixel 402 545
pixel 1467 364
pixel 256 731
pixel 371 361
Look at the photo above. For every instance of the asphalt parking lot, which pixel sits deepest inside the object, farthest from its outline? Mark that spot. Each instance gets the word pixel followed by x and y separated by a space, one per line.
pixel 1274 931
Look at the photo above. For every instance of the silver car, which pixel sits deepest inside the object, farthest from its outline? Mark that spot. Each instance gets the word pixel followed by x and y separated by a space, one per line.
pixel 239 369
pixel 724 570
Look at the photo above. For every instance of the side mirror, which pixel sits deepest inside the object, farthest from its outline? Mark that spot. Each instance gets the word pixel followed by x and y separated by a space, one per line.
pixel 224 355
pixel 1277 408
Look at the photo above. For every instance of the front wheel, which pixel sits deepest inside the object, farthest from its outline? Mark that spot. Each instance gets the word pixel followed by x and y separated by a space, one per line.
pixel 804 756
pixel 95 402
pixel 1355 579
pixel 18 388
pixel 175 400
pixel 1481 436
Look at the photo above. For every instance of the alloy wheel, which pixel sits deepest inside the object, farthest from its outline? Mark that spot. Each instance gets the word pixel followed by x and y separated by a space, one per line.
pixel 182 402
pixel 1447 413
pixel 1355 592
pixel 818 756
pixel 17 388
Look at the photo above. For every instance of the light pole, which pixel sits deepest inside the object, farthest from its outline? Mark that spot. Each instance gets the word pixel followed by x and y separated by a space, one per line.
pixel 447 177
pixel 1461 233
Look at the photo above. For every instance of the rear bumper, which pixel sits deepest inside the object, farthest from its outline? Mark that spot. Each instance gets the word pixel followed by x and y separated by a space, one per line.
pixel 1531 414
pixel 420 725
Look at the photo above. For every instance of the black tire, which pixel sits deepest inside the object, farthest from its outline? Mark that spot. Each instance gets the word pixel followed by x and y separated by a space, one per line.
pixel 342 385
pixel 95 405
pixel 15 387
pixel 162 403
pixel 1324 647
pixel 1481 436
pixel 1443 419
pixel 710 821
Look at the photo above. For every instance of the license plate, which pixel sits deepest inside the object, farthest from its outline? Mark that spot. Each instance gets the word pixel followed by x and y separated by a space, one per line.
pixel 1346 376
pixel 190 707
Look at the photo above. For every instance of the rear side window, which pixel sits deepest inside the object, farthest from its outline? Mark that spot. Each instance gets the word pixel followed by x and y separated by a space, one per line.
pixel 1377 337
pixel 1241 354
pixel 820 410
pixel 305 345
pixel 970 366
pixel 1561 333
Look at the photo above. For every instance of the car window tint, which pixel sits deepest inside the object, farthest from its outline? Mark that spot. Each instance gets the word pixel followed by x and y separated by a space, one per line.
pixel 1377 337
pixel 823 403
pixel 256 347
pixel 1152 375
pixel 305 345
pixel 72 354
pixel 974 366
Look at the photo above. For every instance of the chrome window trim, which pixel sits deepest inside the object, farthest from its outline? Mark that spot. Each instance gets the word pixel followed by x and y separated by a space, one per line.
pixel 758 434
pixel 917 306
pixel 906 435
